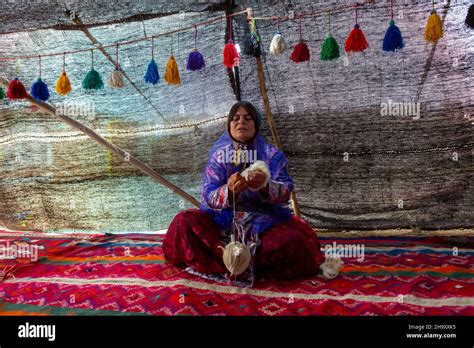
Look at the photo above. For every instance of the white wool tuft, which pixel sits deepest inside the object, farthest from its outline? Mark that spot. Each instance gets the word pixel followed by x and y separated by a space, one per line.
pixel 331 267
pixel 260 166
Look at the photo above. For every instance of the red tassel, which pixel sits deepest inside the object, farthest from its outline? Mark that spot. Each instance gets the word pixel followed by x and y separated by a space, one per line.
pixel 231 56
pixel 356 41
pixel 300 53
pixel 16 90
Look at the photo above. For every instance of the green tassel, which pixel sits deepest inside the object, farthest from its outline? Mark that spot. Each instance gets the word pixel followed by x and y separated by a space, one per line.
pixel 2 93
pixel 93 80
pixel 330 49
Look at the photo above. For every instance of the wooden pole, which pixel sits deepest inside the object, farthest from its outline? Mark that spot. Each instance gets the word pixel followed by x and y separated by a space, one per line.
pixel 269 114
pixel 122 154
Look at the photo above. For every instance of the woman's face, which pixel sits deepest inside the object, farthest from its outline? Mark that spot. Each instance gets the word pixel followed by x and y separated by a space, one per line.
pixel 242 126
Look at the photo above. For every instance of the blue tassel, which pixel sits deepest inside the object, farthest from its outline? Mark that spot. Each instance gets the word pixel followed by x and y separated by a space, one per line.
pixel 393 38
pixel 195 61
pixel 39 90
pixel 152 76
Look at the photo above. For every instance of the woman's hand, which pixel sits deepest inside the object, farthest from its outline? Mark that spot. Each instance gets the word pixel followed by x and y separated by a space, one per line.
pixel 256 179
pixel 237 183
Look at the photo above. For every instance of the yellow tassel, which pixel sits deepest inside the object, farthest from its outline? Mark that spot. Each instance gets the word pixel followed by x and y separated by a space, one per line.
pixel 63 85
pixel 434 28
pixel 172 72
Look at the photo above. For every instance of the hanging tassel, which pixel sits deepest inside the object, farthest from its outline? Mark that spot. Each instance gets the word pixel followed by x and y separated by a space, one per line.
pixel 93 80
pixel 251 41
pixel 63 85
pixel 39 90
pixel 278 45
pixel 231 56
pixel 195 59
pixel 2 93
pixel 434 27
pixel 300 51
pixel 251 45
pixel 152 76
pixel 393 37
pixel 330 48
pixel 172 72
pixel 116 78
pixel 16 90
pixel 356 41
pixel 470 17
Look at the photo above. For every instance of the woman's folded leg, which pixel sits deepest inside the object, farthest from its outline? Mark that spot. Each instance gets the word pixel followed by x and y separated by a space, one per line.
pixel 289 250
pixel 192 240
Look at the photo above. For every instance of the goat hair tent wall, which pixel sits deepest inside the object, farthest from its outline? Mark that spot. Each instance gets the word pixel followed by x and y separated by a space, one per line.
pixel 108 113
pixel 374 139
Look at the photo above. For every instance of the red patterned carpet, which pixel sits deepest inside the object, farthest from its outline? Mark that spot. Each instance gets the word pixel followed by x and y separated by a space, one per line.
pixel 127 275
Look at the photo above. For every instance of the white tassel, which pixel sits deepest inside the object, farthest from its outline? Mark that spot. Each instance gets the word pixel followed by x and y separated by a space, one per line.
pixel 331 267
pixel 261 167
pixel 116 79
pixel 278 45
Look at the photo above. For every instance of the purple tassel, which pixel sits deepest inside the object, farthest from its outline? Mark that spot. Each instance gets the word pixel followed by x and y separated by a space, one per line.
pixel 195 61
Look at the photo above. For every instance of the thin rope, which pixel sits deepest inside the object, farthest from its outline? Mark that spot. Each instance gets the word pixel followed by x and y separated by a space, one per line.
pixel 195 37
pixel 92 58
pixel 211 21
pixel 357 16
pixel 391 8
pixel 433 5
pixel 116 57
pixel 329 20
pixel 64 61
pixel 301 36
pixel 152 47
pixel 39 60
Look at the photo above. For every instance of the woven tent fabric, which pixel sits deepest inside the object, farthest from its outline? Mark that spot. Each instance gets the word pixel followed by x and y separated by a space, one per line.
pixel 111 275
pixel 352 166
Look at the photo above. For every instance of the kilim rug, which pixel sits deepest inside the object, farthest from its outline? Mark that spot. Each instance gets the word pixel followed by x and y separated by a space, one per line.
pixel 127 275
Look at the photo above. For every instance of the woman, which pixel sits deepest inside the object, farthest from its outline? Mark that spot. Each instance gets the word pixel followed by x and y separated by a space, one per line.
pixel 282 245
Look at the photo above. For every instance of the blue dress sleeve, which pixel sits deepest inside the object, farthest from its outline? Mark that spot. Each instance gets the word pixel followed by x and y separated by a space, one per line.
pixel 214 189
pixel 280 184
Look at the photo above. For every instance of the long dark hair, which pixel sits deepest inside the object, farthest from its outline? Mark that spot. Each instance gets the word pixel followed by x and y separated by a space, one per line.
pixel 253 112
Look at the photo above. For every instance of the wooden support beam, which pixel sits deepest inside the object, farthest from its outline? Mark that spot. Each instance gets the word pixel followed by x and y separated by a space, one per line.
pixel 269 114
pixel 120 153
